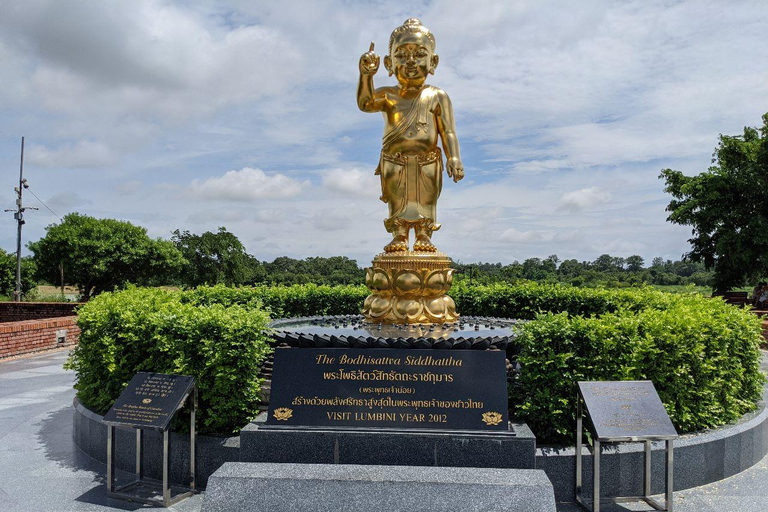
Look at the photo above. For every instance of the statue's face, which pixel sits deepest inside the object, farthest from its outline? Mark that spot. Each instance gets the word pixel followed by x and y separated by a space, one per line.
pixel 412 59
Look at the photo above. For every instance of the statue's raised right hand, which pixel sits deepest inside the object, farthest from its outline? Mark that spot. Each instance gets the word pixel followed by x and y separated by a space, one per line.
pixel 369 62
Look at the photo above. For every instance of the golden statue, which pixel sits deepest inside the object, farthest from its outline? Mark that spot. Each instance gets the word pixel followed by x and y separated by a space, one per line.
pixel 410 286
pixel 411 164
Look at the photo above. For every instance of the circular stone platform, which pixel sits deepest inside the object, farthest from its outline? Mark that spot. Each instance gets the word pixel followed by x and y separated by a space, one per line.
pixel 700 458
pixel 352 331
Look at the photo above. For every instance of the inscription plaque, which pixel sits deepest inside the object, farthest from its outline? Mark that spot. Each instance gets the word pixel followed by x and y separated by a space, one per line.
pixel 149 401
pixel 389 388
pixel 626 409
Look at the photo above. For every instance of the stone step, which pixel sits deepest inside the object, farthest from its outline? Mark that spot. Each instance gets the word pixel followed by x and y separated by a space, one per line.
pixel 240 486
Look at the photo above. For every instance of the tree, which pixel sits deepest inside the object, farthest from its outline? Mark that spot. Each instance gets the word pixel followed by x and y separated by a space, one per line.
pixel 549 265
pixel 100 254
pixel 571 268
pixel 8 274
pixel 533 269
pixel 634 263
pixel 213 258
pixel 608 263
pixel 726 207
pixel 512 272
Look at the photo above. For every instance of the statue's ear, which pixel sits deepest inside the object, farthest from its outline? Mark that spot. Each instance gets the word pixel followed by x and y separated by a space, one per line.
pixel 388 64
pixel 435 60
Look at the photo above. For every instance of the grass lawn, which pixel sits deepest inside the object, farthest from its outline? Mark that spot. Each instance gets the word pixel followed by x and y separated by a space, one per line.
pixel 684 288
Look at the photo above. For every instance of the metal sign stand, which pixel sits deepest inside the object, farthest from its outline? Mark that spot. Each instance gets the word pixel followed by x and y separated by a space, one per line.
pixel 594 504
pixel 152 488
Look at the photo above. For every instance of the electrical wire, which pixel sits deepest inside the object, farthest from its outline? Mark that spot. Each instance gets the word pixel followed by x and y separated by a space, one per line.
pixel 41 202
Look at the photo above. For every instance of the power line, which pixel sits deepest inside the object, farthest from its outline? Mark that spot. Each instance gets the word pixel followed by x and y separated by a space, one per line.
pixel 41 202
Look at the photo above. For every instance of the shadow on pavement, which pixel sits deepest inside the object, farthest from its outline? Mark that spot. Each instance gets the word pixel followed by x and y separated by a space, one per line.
pixel 55 436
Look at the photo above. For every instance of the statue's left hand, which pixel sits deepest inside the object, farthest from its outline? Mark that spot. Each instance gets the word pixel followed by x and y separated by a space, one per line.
pixel 455 169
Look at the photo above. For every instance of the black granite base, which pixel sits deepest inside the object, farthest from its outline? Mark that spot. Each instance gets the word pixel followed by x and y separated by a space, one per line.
pixel 699 458
pixel 90 434
pixel 513 449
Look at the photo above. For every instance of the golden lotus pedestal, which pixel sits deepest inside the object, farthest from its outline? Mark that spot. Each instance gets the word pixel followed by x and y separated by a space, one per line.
pixel 410 287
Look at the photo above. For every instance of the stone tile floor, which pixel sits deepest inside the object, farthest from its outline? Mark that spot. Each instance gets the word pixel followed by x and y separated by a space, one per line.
pixel 42 470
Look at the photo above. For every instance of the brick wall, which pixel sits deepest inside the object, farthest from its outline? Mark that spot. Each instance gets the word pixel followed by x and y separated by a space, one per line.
pixel 29 336
pixel 18 311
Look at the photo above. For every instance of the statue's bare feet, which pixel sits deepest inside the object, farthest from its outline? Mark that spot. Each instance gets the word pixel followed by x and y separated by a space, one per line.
pixel 423 243
pixel 398 244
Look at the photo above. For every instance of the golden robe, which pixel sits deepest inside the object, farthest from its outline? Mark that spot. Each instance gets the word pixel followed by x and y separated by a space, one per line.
pixel 411 184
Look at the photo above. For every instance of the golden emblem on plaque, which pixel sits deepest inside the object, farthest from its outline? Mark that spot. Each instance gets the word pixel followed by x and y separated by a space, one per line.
pixel 492 418
pixel 282 413
pixel 146 401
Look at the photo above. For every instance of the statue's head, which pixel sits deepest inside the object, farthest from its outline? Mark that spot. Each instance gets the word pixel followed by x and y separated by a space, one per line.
pixel 411 53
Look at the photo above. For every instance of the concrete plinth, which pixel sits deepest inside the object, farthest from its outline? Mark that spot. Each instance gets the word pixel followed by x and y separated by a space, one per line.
pixel 330 487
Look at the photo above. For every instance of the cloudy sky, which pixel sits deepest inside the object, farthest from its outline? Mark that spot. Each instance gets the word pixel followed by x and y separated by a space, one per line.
pixel 199 114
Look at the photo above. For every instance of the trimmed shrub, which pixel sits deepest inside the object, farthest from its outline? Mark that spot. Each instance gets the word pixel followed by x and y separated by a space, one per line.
pixel 152 330
pixel 526 299
pixel 523 300
pixel 286 301
pixel 701 354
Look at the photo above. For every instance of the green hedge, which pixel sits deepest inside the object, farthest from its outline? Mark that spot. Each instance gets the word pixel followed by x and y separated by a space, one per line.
pixel 701 354
pixel 286 301
pixel 153 330
pixel 702 357
pixel 527 299
pixel 524 300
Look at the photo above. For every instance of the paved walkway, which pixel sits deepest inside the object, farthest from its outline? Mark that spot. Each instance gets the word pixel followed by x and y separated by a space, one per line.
pixel 41 469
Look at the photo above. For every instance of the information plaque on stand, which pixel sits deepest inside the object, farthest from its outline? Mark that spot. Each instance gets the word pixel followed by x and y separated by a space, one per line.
pixel 150 401
pixel 623 411
pixel 398 389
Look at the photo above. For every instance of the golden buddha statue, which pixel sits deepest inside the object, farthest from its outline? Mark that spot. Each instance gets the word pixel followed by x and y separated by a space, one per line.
pixel 415 114
pixel 410 286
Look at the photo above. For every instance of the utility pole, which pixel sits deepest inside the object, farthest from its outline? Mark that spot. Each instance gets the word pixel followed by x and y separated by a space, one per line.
pixel 18 214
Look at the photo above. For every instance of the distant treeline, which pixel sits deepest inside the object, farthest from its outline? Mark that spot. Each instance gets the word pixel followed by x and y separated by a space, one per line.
pixel 98 255
pixel 606 270
pixel 334 270
pixel 213 258
pixel 219 257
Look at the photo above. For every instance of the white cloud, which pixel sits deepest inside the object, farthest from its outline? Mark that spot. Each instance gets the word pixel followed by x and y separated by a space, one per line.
pixel 241 216
pixel 217 216
pixel 247 184
pixel 336 218
pixel 570 236
pixel 514 236
pixel 352 182
pixel 64 202
pixel 538 165
pixel 148 56
pixel 578 106
pixel 129 187
pixel 585 198
pixel 84 154
pixel 269 215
